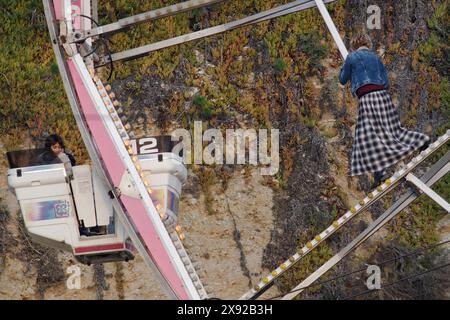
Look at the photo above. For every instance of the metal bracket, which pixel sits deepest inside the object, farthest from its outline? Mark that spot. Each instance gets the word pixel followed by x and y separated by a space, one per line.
pixel 128 187
pixel 428 191
pixel 68 48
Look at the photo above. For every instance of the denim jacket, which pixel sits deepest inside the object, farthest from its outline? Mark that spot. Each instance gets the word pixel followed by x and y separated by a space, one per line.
pixel 363 67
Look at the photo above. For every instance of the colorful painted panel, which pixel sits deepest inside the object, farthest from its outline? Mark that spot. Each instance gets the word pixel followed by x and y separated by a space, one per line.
pixel 172 202
pixel 47 210
pixel 158 197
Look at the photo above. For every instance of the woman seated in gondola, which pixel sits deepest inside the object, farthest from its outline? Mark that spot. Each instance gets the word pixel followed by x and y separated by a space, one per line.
pixel 55 152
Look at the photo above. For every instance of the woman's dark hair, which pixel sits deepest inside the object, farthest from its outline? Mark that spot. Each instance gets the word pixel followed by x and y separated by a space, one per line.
pixel 52 140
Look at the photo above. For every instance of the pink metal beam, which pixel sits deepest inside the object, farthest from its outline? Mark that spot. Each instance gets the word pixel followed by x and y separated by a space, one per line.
pixel 155 248
pixel 105 145
pixel 57 4
pixel 116 169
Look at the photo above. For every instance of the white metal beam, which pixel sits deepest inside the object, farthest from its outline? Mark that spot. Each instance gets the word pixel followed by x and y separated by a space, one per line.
pixel 278 11
pixel 428 191
pixel 331 26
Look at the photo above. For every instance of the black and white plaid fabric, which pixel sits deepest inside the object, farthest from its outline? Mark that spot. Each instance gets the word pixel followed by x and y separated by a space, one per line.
pixel 380 139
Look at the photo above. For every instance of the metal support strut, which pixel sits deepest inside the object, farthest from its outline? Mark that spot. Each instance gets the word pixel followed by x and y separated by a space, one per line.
pixel 334 32
pixel 428 191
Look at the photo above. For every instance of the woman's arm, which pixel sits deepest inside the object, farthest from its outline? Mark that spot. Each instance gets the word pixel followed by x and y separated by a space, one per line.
pixel 71 158
pixel 344 75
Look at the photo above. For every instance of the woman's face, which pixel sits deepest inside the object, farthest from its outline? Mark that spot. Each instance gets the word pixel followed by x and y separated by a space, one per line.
pixel 56 148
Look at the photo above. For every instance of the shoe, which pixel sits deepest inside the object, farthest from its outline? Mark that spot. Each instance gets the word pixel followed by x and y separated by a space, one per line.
pixel 378 181
pixel 424 147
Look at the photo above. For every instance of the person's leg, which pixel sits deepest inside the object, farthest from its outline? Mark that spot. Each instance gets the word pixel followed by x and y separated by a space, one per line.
pixel 425 146
pixel 378 175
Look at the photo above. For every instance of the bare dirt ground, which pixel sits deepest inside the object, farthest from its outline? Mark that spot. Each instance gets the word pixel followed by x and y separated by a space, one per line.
pixel 228 244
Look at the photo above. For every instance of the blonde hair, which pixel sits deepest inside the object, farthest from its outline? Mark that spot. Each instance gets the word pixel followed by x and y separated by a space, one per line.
pixel 360 40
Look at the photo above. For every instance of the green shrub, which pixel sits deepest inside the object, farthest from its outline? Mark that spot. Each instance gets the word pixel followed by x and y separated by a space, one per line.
pixel 279 65
pixel 200 101
pixel 207 113
pixel 204 107
pixel 310 44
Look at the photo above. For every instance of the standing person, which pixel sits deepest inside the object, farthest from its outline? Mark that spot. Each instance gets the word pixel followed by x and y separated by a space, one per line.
pixel 55 152
pixel 380 139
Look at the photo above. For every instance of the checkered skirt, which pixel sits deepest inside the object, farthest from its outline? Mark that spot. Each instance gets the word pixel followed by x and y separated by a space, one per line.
pixel 380 139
